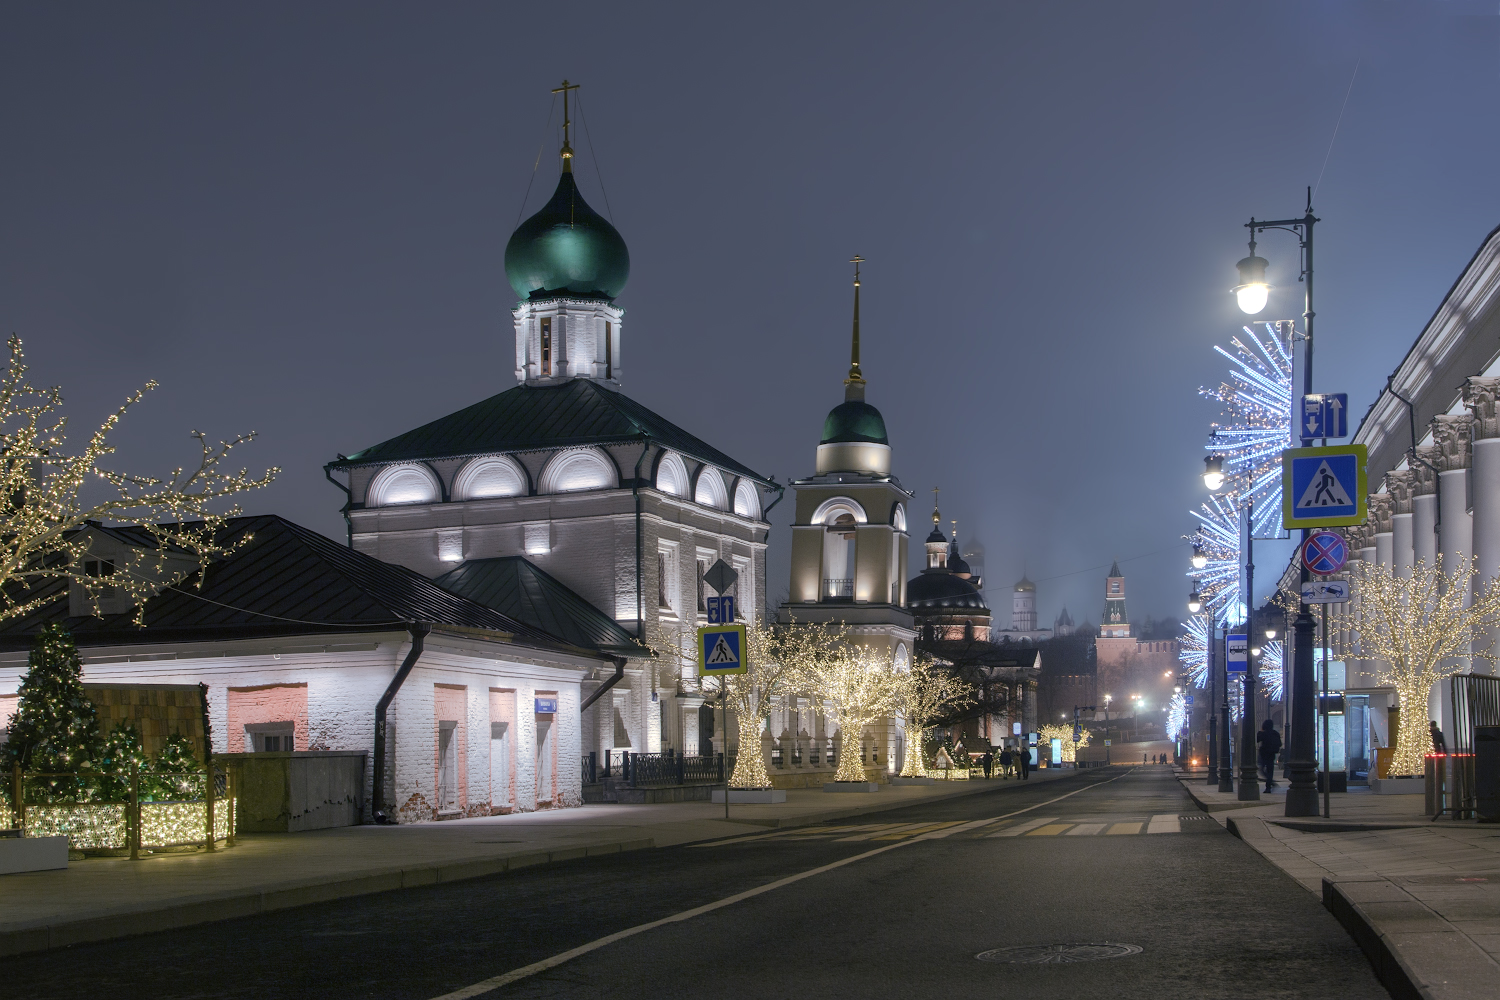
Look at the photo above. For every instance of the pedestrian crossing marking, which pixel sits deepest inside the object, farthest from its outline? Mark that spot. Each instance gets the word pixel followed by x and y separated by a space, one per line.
pixel 960 828
pixel 1050 830
pixel 924 828
pixel 1165 823
pixel 892 828
pixel 1124 828
pixel 1020 828
pixel 1086 829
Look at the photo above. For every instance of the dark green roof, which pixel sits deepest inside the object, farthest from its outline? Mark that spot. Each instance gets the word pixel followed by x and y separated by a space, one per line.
pixel 517 589
pixel 537 417
pixel 567 249
pixel 854 420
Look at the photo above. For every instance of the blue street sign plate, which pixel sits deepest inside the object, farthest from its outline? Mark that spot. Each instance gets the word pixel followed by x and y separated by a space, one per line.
pixel 1237 650
pixel 720 609
pixel 1325 415
pixel 721 650
pixel 1323 487
pixel 546 706
pixel 1324 552
pixel 1188 700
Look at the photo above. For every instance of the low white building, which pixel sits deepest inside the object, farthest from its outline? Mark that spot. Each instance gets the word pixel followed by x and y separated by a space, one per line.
pixel 306 645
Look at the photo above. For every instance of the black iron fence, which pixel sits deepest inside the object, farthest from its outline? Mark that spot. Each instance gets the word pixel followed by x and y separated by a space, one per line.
pixel 1476 702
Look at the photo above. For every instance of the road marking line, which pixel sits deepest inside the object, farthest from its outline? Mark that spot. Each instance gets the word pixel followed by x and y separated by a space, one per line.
pixel 1085 829
pixel 1050 830
pixel 495 982
pixel 1124 828
pixel 1020 828
pixel 924 828
pixel 1164 824
pixel 896 828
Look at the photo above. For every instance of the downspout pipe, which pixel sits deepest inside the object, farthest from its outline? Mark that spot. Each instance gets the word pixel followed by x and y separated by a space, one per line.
pixel 635 488
pixel 1437 477
pixel 619 674
pixel 348 500
pixel 419 631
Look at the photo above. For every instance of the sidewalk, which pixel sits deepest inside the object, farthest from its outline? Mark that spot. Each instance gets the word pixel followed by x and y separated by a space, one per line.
pixel 103 898
pixel 1422 898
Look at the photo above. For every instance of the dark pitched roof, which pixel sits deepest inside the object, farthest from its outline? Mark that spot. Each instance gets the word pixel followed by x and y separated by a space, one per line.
pixel 1114 570
pixel 518 589
pixel 287 580
pixel 533 417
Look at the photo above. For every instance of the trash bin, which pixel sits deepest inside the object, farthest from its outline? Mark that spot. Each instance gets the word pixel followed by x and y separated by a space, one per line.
pixel 1487 773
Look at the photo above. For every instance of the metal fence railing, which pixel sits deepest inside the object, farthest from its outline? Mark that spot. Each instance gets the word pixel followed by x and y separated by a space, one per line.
pixel 660 770
pixel 140 810
pixel 1476 702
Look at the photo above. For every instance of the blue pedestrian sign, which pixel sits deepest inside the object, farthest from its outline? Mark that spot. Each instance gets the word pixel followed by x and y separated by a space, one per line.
pixel 1323 487
pixel 721 650
pixel 1237 653
pixel 1325 415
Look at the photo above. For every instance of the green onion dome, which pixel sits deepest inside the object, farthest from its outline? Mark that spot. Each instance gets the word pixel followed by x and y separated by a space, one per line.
pixel 567 249
pixel 854 420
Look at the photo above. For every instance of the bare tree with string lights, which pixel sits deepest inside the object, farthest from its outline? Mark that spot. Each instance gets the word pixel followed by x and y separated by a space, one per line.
pixel 46 501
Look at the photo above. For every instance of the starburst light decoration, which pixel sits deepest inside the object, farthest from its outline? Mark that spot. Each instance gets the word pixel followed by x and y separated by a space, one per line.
pixel 1177 716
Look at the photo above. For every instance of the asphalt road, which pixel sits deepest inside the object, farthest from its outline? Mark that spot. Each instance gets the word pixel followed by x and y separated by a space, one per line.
pixel 1124 859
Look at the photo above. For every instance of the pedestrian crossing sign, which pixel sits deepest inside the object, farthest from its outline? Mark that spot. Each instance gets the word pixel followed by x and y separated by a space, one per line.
pixel 721 650
pixel 1323 487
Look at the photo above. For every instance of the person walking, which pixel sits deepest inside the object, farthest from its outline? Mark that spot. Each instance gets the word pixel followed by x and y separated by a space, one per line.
pixel 1006 762
pixel 987 761
pixel 1268 745
pixel 1025 755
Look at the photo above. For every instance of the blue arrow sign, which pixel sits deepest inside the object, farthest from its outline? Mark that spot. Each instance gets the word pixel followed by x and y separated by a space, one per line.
pixel 1325 415
pixel 1323 487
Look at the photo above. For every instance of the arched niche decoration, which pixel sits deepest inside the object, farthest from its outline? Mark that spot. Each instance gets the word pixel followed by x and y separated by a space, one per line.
pixel 672 475
pixel 829 510
pixel 746 499
pixel 710 490
pixel 492 476
pixel 579 469
pixel 898 516
pixel 902 658
pixel 403 484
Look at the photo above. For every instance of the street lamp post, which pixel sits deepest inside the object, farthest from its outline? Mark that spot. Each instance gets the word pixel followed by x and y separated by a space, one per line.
pixel 1106 728
pixel 1249 785
pixel 1302 792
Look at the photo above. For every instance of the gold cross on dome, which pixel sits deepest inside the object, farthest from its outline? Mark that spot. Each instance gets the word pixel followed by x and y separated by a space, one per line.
pixel 567 150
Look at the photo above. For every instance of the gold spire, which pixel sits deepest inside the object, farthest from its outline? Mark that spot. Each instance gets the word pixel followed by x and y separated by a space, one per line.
pixel 937 517
pixel 567 150
pixel 854 385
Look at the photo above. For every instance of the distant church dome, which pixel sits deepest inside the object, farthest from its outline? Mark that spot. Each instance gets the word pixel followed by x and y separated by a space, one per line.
pixel 932 591
pixel 567 249
pixel 854 420
pixel 1025 585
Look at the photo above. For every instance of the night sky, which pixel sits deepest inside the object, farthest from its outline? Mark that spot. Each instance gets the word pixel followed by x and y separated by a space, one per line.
pixel 294 217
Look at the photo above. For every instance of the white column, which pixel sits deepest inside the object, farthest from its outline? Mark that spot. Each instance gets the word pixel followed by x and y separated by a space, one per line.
pixel 1480 396
pixel 1398 485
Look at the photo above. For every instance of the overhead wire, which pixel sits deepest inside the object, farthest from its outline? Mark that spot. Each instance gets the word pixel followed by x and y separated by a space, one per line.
pixel 541 147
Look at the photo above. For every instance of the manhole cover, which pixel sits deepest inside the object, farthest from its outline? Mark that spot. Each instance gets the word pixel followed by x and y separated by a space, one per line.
pixel 1056 954
pixel 1452 879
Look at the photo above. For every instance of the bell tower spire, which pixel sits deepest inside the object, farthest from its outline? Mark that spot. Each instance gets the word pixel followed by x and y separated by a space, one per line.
pixel 854 385
pixel 567 150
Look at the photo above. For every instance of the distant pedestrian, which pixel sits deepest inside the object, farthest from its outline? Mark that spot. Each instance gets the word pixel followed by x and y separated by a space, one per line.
pixel 1006 762
pixel 1439 745
pixel 1025 755
pixel 1268 745
pixel 987 761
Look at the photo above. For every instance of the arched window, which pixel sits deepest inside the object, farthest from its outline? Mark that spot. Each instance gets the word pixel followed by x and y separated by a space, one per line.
pixel 829 510
pixel 579 469
pixel 710 490
pixel 898 517
pixel 672 475
pixel 746 503
pixel 902 658
pixel 403 484
pixel 496 476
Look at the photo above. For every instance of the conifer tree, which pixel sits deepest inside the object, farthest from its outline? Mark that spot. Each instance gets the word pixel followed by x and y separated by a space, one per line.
pixel 55 728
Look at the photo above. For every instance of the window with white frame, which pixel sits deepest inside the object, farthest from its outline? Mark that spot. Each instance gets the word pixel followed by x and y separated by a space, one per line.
pixel 666 577
pixel 744 588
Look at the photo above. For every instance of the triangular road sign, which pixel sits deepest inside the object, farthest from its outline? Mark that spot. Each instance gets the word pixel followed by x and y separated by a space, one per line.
pixel 1324 490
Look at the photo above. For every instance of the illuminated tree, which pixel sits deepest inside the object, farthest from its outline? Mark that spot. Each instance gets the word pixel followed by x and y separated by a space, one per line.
pixel 43 502
pixel 927 692
pixel 779 659
pixel 863 686
pixel 1046 734
pixel 55 729
pixel 1418 626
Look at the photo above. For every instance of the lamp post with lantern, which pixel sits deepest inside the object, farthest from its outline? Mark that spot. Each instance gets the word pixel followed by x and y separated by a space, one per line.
pixel 1252 294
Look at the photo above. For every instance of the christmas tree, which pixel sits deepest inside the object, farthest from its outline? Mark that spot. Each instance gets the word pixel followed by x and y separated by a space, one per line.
pixel 120 753
pixel 176 772
pixel 55 728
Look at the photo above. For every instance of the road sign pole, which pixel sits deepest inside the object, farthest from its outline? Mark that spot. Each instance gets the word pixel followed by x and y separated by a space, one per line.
pixel 1249 785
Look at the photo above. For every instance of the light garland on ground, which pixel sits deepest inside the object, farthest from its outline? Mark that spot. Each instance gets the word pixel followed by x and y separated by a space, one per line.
pixel 1051 732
